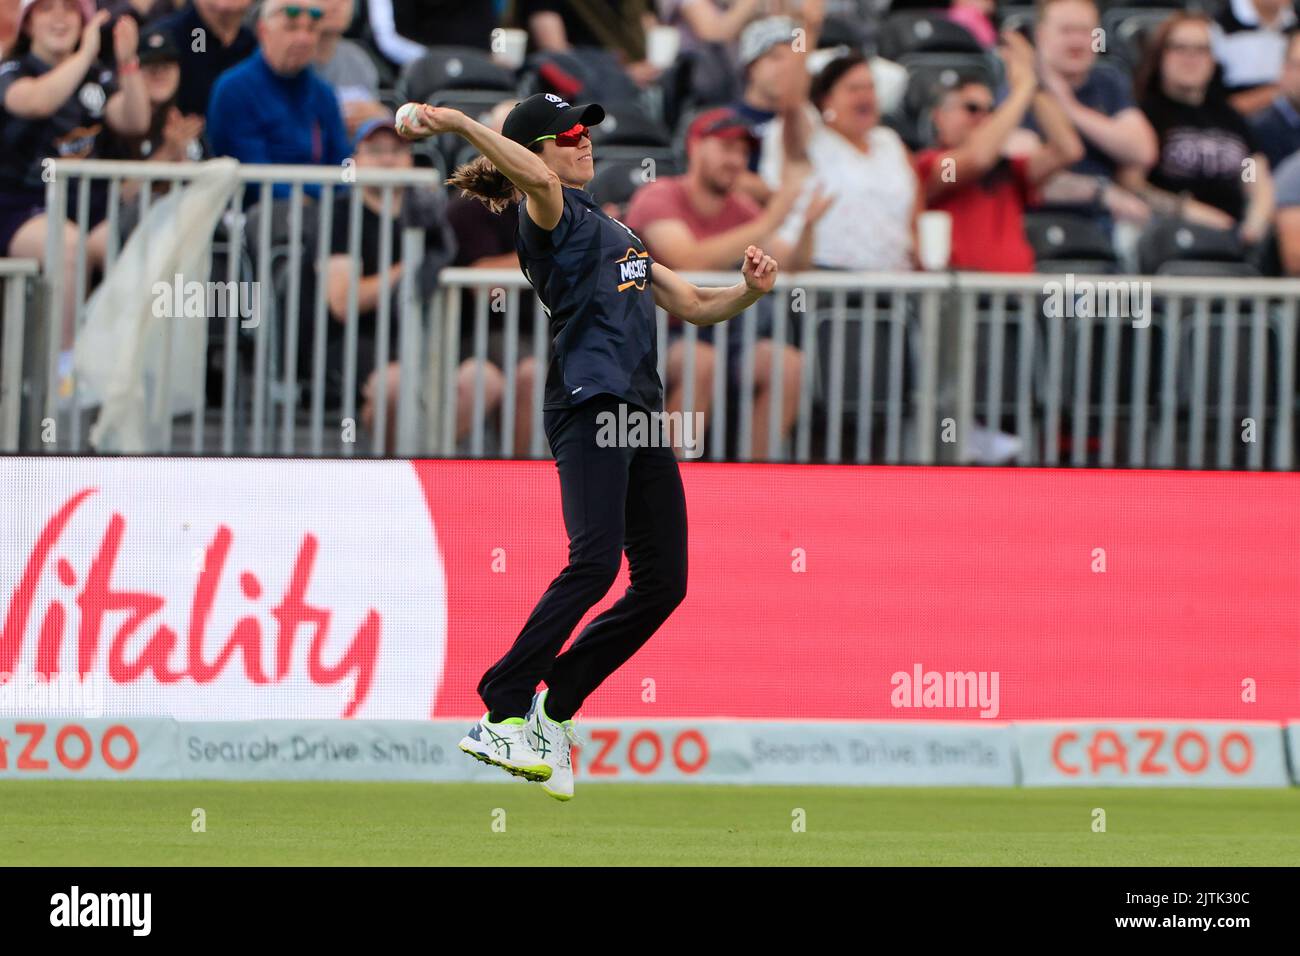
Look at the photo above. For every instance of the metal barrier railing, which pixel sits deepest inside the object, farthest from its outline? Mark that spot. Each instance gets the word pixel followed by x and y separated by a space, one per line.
pixel 1098 382
pixel 17 280
pixel 253 250
pixel 833 366
pixel 806 322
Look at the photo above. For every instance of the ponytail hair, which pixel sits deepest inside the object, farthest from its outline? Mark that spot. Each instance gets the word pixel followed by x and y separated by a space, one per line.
pixel 481 180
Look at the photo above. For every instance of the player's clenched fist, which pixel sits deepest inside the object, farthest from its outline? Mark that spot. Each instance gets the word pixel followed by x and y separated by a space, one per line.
pixel 759 270
pixel 420 120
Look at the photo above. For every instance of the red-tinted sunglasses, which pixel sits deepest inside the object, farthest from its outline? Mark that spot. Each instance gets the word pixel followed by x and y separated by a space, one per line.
pixel 570 137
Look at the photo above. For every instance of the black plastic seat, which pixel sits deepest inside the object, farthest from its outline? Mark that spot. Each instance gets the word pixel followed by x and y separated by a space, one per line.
pixel 616 181
pixel 1172 240
pixel 923 32
pixel 1128 27
pixel 928 75
pixel 453 68
pixel 626 123
pixel 1066 238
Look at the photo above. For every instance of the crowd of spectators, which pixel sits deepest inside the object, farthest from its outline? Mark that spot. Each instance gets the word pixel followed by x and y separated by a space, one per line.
pixel 820 129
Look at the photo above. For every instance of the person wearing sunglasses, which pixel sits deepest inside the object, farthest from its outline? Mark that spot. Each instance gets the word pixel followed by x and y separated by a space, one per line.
pixel 273 107
pixel 968 175
pixel 600 288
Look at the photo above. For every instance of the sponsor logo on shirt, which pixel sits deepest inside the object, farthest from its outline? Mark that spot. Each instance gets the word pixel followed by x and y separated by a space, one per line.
pixel 77 143
pixel 93 98
pixel 632 269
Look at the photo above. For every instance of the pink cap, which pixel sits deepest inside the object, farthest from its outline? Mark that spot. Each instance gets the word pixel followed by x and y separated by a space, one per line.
pixel 87 11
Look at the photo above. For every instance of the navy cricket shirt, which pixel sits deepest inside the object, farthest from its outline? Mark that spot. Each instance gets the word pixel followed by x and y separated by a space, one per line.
pixel 592 274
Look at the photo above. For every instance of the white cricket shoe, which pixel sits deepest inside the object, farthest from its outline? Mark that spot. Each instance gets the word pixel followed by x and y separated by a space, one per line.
pixel 552 740
pixel 506 745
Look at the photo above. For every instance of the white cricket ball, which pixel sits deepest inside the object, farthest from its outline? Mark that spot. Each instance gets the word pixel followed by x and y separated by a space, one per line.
pixel 407 118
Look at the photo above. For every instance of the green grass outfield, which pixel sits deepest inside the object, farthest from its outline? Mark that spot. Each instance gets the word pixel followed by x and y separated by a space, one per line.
pixel 149 822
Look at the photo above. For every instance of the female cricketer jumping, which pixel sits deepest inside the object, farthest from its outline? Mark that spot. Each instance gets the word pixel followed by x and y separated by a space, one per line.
pixel 600 289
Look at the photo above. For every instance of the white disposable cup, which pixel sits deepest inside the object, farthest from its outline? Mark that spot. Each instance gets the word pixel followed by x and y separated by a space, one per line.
pixel 509 46
pixel 661 46
pixel 934 236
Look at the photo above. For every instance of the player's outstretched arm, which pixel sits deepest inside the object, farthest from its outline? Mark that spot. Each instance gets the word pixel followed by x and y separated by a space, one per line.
pixel 708 306
pixel 519 164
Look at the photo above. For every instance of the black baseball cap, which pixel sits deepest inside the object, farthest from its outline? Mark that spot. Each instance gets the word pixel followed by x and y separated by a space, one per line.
pixel 157 46
pixel 544 114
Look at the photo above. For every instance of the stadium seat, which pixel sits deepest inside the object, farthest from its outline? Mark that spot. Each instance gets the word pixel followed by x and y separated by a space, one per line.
pixel 1020 18
pixel 1169 241
pixel 843 31
pixel 1063 242
pixel 927 73
pixel 626 123
pixel 463 153
pixel 891 7
pixel 913 131
pixel 1210 268
pixel 681 95
pixel 1099 267
pixel 361 33
pixel 1206 6
pixel 477 104
pixel 907 33
pixel 664 161
pixel 579 75
pixel 429 155
pixel 453 68
pixel 617 180
pixel 1127 28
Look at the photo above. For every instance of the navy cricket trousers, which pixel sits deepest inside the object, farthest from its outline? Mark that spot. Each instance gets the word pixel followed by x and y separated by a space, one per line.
pixel 615 499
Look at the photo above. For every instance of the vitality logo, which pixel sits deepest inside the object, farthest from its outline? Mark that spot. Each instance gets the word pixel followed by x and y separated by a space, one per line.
pixel 632 269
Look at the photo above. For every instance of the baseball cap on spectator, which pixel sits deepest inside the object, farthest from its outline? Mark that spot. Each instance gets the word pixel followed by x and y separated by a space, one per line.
pixel 761 35
pixel 545 114
pixel 722 122
pixel 372 126
pixel 157 46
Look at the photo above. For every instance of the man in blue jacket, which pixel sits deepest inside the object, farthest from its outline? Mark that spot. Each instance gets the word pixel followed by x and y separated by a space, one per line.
pixel 272 107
